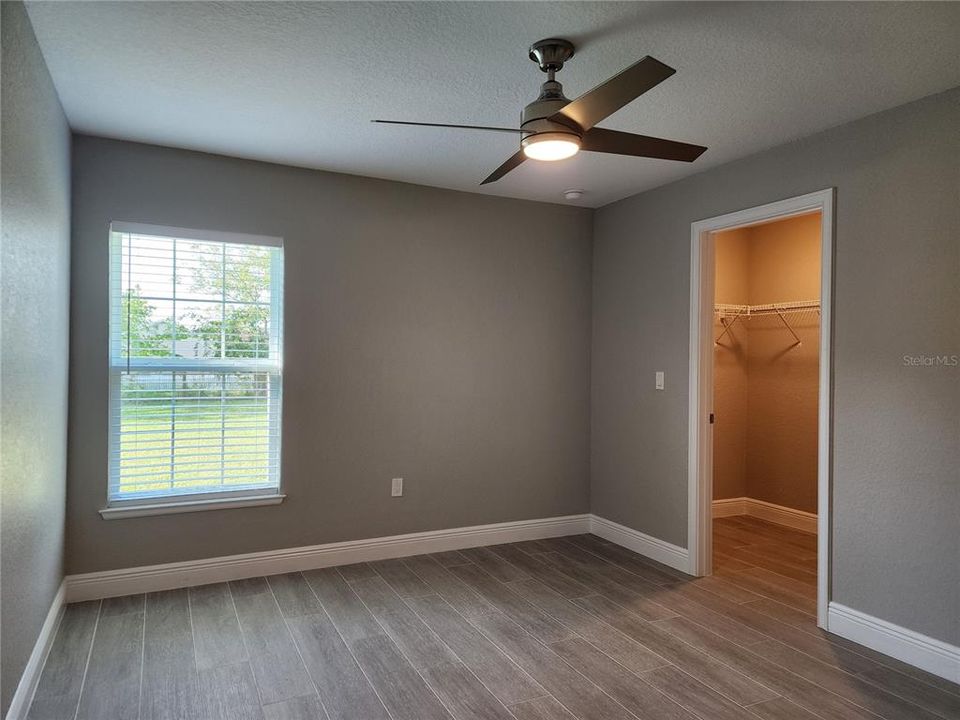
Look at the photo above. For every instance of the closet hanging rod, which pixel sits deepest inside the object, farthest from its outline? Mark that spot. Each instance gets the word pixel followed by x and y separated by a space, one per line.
pixel 778 309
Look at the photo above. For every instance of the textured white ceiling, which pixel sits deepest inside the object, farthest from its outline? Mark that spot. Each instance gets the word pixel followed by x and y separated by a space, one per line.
pixel 298 83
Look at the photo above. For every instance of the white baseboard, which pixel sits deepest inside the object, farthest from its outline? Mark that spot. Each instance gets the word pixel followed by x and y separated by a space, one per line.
pixel 654 548
pixel 796 519
pixel 23 696
pixel 153 578
pixel 932 655
pixel 913 648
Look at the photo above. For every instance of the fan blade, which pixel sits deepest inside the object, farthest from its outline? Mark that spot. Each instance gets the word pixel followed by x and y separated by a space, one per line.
pixel 512 162
pixel 605 99
pixel 444 125
pixel 621 143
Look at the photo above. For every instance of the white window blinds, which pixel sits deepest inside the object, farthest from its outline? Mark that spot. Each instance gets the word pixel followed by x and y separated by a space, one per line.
pixel 195 363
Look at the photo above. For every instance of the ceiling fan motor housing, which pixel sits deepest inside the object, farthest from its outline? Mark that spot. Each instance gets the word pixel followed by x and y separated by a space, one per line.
pixel 549 55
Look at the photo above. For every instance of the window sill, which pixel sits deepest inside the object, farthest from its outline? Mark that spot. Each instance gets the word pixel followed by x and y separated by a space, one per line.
pixel 184 506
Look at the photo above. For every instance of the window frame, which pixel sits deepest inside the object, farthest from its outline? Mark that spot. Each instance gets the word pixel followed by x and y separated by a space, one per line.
pixel 163 503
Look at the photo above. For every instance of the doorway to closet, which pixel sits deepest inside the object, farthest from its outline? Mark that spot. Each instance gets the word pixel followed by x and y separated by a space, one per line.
pixel 765 379
pixel 760 401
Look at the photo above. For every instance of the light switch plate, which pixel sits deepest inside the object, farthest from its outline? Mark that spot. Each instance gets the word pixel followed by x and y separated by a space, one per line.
pixel 659 379
pixel 396 487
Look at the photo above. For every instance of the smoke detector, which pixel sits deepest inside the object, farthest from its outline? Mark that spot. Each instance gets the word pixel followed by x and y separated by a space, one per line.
pixel 572 194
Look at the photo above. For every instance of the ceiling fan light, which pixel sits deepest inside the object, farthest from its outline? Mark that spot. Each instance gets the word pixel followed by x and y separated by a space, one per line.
pixel 551 146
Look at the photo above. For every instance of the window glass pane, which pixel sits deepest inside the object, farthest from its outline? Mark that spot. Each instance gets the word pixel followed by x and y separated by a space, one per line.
pixel 146 432
pixel 247 331
pixel 195 366
pixel 199 270
pixel 190 432
pixel 146 326
pixel 247 274
pixel 147 266
pixel 199 329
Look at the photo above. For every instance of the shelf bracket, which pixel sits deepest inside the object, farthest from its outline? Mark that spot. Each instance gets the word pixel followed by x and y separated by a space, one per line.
pixel 729 325
pixel 784 320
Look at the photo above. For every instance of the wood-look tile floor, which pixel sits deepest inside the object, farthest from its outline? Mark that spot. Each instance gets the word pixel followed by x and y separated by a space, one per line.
pixel 543 630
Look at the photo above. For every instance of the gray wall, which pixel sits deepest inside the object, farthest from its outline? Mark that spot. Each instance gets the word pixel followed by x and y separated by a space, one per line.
pixel 896 496
pixel 438 336
pixel 35 261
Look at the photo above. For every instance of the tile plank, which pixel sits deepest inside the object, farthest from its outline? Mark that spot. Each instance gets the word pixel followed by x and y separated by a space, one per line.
pixel 450 558
pixel 764 586
pixel 532 547
pixel 276 664
pixel 816 699
pixel 726 626
pixel 785 614
pixel 720 586
pixel 112 685
pixel 464 696
pixel 582 697
pixel 692 694
pixel 628 689
pixel 814 643
pixel 939 701
pixel 892 663
pixel 357 571
pixel 58 692
pixel 601 582
pixel 763 531
pixel 504 679
pixel 303 708
pixel 781 709
pixel 726 562
pixel 529 617
pixel 348 614
pixel 850 687
pixel 804 589
pixel 497 566
pixel 578 558
pixel 122 605
pixel 216 629
pixel 398 576
pixel 343 687
pixel 293 595
pixel 543 708
pixel 628 560
pixel 445 584
pixel 417 642
pixel 539 570
pixel 170 686
pixel 378 597
pixel 621 648
pixel 400 687
pixel 229 692
pixel 738 686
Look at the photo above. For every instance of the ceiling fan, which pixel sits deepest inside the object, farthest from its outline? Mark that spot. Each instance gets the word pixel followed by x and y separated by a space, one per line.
pixel 554 127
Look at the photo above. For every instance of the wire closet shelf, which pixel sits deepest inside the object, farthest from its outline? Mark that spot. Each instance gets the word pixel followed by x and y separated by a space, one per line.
pixel 745 312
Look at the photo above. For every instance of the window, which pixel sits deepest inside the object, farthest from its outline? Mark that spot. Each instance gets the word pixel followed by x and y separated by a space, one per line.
pixel 195 365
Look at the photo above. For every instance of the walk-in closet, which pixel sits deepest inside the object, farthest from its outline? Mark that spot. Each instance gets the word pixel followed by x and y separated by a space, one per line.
pixel 766 381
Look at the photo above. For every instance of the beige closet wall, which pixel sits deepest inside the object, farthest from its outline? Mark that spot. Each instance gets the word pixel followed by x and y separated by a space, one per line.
pixel 765 397
pixel 732 257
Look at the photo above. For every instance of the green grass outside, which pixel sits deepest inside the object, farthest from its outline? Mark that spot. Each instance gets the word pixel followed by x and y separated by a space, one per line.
pixel 197 459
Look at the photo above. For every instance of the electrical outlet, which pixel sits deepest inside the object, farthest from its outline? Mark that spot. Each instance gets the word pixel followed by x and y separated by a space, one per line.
pixel 659 379
pixel 396 488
